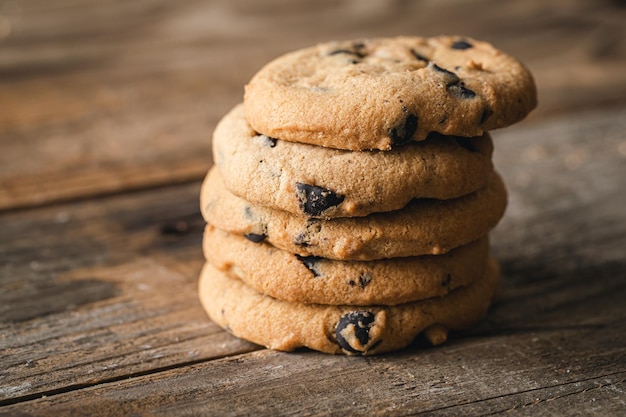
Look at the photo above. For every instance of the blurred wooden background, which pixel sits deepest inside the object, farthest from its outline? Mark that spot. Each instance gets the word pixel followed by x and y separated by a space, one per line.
pixel 98 97
pixel 106 115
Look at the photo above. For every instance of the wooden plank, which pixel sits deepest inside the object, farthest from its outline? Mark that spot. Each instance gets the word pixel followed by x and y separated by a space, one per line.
pixel 101 290
pixel 529 367
pixel 554 342
pixel 102 97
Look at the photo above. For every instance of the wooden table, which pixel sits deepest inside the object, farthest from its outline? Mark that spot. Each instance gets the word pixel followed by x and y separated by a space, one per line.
pixel 106 114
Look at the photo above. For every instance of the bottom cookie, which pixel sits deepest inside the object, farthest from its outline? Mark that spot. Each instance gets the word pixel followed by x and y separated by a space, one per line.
pixel 352 330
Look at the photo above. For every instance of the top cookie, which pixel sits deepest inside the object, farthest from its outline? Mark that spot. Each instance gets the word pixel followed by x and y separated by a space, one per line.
pixel 381 93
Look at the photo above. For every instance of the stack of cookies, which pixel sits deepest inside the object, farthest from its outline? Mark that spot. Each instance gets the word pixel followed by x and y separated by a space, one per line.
pixel 354 191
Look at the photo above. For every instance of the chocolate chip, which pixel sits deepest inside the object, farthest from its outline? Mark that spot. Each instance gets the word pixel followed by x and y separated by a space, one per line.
pixel 255 237
pixel 461 45
pixel 315 200
pixel 348 52
pixel 450 77
pixel 311 264
pixel 403 133
pixel 340 51
pixel 419 56
pixel 365 279
pixel 353 331
pixel 356 53
pixel 454 84
pixel 460 91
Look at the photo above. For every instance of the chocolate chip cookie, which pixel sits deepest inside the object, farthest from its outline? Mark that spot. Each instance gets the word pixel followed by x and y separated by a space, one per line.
pixel 352 330
pixel 320 182
pixel 311 279
pixel 383 93
pixel 424 226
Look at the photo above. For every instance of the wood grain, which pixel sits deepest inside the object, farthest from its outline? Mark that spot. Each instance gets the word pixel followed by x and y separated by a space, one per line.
pixel 106 97
pixel 101 290
pixel 554 340
pixel 106 114
pixel 493 370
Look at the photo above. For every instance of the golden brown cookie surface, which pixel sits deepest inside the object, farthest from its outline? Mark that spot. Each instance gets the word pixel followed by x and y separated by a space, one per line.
pixel 346 329
pixel 382 93
pixel 320 182
pixel 311 279
pixel 422 227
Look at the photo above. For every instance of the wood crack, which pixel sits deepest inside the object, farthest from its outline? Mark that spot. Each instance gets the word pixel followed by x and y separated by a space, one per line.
pixel 538 400
pixel 81 386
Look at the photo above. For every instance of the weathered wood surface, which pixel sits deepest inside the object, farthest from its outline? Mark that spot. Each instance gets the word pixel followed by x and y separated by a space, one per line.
pixel 103 97
pixel 101 290
pixel 106 110
pixel 106 313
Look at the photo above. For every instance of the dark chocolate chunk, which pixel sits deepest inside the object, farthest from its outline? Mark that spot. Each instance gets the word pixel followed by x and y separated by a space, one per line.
pixel 260 228
pixel 356 53
pixel 365 279
pixel 315 200
pixel 255 237
pixel 419 56
pixel 460 91
pixel 354 325
pixel 461 45
pixel 450 77
pixel 453 83
pixel 311 264
pixel 403 133
pixel 340 51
